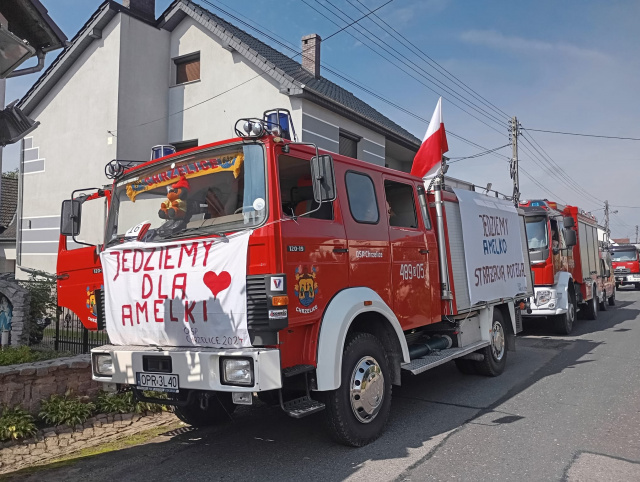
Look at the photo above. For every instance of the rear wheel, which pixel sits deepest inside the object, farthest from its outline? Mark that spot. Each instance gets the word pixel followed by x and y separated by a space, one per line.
pixel 495 355
pixel 564 323
pixel 603 303
pixel 592 307
pixel 357 412
pixel 218 409
pixel 612 298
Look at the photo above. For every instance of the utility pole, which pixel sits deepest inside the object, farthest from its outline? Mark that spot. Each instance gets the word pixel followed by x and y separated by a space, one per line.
pixel 607 231
pixel 514 131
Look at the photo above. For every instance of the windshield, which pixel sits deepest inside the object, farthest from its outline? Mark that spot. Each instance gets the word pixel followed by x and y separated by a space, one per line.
pixel 215 191
pixel 629 255
pixel 537 233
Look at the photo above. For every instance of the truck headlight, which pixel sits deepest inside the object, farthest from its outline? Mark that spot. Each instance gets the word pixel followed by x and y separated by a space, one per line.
pixel 543 297
pixel 237 371
pixel 102 364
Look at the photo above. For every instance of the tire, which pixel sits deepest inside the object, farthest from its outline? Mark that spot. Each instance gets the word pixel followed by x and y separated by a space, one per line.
pixel 564 323
pixel 495 355
pixel 612 298
pixel 603 303
pixel 468 367
pixel 637 286
pixel 355 415
pixel 591 312
pixel 617 286
pixel 218 411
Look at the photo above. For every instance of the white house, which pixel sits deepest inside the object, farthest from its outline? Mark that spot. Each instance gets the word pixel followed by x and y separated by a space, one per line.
pixel 128 81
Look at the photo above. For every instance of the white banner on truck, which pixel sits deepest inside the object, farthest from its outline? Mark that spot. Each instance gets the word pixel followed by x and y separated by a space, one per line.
pixel 492 247
pixel 183 293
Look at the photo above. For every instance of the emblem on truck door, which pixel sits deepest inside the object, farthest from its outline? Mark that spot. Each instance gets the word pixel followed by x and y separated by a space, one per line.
pixel 306 287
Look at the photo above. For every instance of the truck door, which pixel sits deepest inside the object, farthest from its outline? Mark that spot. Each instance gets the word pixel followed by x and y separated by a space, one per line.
pixel 366 227
pixel 78 270
pixel 314 251
pixel 410 271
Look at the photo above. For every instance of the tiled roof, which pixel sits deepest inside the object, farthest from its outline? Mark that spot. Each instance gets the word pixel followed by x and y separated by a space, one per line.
pixel 321 86
pixel 8 206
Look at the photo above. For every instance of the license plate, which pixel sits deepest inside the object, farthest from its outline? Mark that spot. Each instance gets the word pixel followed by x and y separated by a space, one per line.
pixel 160 382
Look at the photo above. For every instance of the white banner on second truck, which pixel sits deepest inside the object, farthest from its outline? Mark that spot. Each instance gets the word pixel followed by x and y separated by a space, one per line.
pixel 493 244
pixel 178 294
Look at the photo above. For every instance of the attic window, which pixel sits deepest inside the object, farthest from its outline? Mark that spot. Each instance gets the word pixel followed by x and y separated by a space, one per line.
pixel 187 68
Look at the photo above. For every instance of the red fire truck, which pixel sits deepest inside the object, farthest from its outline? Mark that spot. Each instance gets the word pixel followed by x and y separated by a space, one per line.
pixel 626 265
pixel 354 273
pixel 565 260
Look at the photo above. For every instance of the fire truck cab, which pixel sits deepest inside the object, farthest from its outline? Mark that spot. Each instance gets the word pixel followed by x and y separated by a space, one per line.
pixel 626 265
pixel 354 273
pixel 565 260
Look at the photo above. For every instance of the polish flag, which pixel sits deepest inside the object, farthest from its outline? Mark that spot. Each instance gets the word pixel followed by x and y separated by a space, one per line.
pixel 429 157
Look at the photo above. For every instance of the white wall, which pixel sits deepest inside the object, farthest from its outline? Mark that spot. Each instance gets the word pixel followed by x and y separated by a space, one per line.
pixel 72 142
pixel 220 70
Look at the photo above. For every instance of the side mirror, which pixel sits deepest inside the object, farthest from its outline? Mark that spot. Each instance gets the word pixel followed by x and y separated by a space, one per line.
pixel 568 222
pixel 70 217
pixel 570 237
pixel 324 178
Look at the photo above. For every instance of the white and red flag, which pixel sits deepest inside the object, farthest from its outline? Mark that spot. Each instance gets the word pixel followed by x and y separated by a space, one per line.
pixel 429 157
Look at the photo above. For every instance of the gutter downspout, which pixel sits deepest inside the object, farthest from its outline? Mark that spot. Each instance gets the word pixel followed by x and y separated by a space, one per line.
pixel 30 70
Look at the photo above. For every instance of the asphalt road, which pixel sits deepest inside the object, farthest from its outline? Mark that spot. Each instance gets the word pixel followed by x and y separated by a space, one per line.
pixel 566 408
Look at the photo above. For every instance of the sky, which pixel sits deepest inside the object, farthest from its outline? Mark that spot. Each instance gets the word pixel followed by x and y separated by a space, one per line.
pixel 568 66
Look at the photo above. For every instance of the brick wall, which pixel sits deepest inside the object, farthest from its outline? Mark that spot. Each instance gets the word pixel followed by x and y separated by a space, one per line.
pixel 29 383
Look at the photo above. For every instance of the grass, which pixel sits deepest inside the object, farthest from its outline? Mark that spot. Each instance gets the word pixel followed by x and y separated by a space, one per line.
pixel 75 457
pixel 26 354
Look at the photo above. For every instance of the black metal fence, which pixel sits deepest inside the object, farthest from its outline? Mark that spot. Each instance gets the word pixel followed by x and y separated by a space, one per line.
pixel 67 333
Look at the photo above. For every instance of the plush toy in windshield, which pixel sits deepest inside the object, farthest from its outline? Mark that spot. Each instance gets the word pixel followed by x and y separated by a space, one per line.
pixel 175 207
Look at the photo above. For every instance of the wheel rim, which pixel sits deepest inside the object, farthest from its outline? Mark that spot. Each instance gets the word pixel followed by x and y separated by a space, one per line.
pixel 497 341
pixel 366 389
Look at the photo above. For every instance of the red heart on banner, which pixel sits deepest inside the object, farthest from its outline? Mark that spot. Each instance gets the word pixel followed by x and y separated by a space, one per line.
pixel 217 282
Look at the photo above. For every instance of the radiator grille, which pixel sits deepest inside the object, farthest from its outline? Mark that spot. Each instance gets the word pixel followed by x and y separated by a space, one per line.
pixel 257 309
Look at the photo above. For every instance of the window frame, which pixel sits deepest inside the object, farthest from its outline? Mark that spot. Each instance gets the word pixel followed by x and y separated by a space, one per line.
pixel 414 199
pixel 349 136
pixel 346 186
pixel 183 59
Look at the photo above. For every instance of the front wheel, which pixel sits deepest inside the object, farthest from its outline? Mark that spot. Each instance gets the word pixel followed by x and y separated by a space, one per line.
pixel 495 355
pixel 564 323
pixel 218 409
pixel 357 412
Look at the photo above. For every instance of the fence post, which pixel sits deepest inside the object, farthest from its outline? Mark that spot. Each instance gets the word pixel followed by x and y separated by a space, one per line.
pixel 85 340
pixel 56 345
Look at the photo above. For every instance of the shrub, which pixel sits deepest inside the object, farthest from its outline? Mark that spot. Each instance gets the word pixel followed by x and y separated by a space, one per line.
pixel 43 302
pixel 124 402
pixel 65 410
pixel 25 354
pixel 16 423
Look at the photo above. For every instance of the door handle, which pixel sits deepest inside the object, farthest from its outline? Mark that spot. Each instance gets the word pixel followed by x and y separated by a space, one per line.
pixel 340 250
pixel 424 251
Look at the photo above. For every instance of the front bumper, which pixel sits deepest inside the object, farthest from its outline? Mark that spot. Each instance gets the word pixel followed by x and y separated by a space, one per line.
pixel 197 368
pixel 627 278
pixel 556 304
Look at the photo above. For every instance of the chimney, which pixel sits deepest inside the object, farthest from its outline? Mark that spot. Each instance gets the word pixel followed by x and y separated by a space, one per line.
pixel 311 54
pixel 145 8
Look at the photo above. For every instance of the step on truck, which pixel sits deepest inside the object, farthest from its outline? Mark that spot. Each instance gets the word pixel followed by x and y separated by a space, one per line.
pixel 566 264
pixel 626 265
pixel 262 267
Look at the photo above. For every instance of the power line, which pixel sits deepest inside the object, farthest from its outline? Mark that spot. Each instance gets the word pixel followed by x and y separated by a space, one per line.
pixel 479 154
pixel 437 66
pixel 408 63
pixel 585 135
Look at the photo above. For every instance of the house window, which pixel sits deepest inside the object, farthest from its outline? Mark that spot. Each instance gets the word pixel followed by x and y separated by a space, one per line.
pixel 187 68
pixel 348 144
pixel 184 145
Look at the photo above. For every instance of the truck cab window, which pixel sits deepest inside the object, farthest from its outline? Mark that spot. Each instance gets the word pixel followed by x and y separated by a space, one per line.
pixel 296 191
pixel 401 205
pixel 362 198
